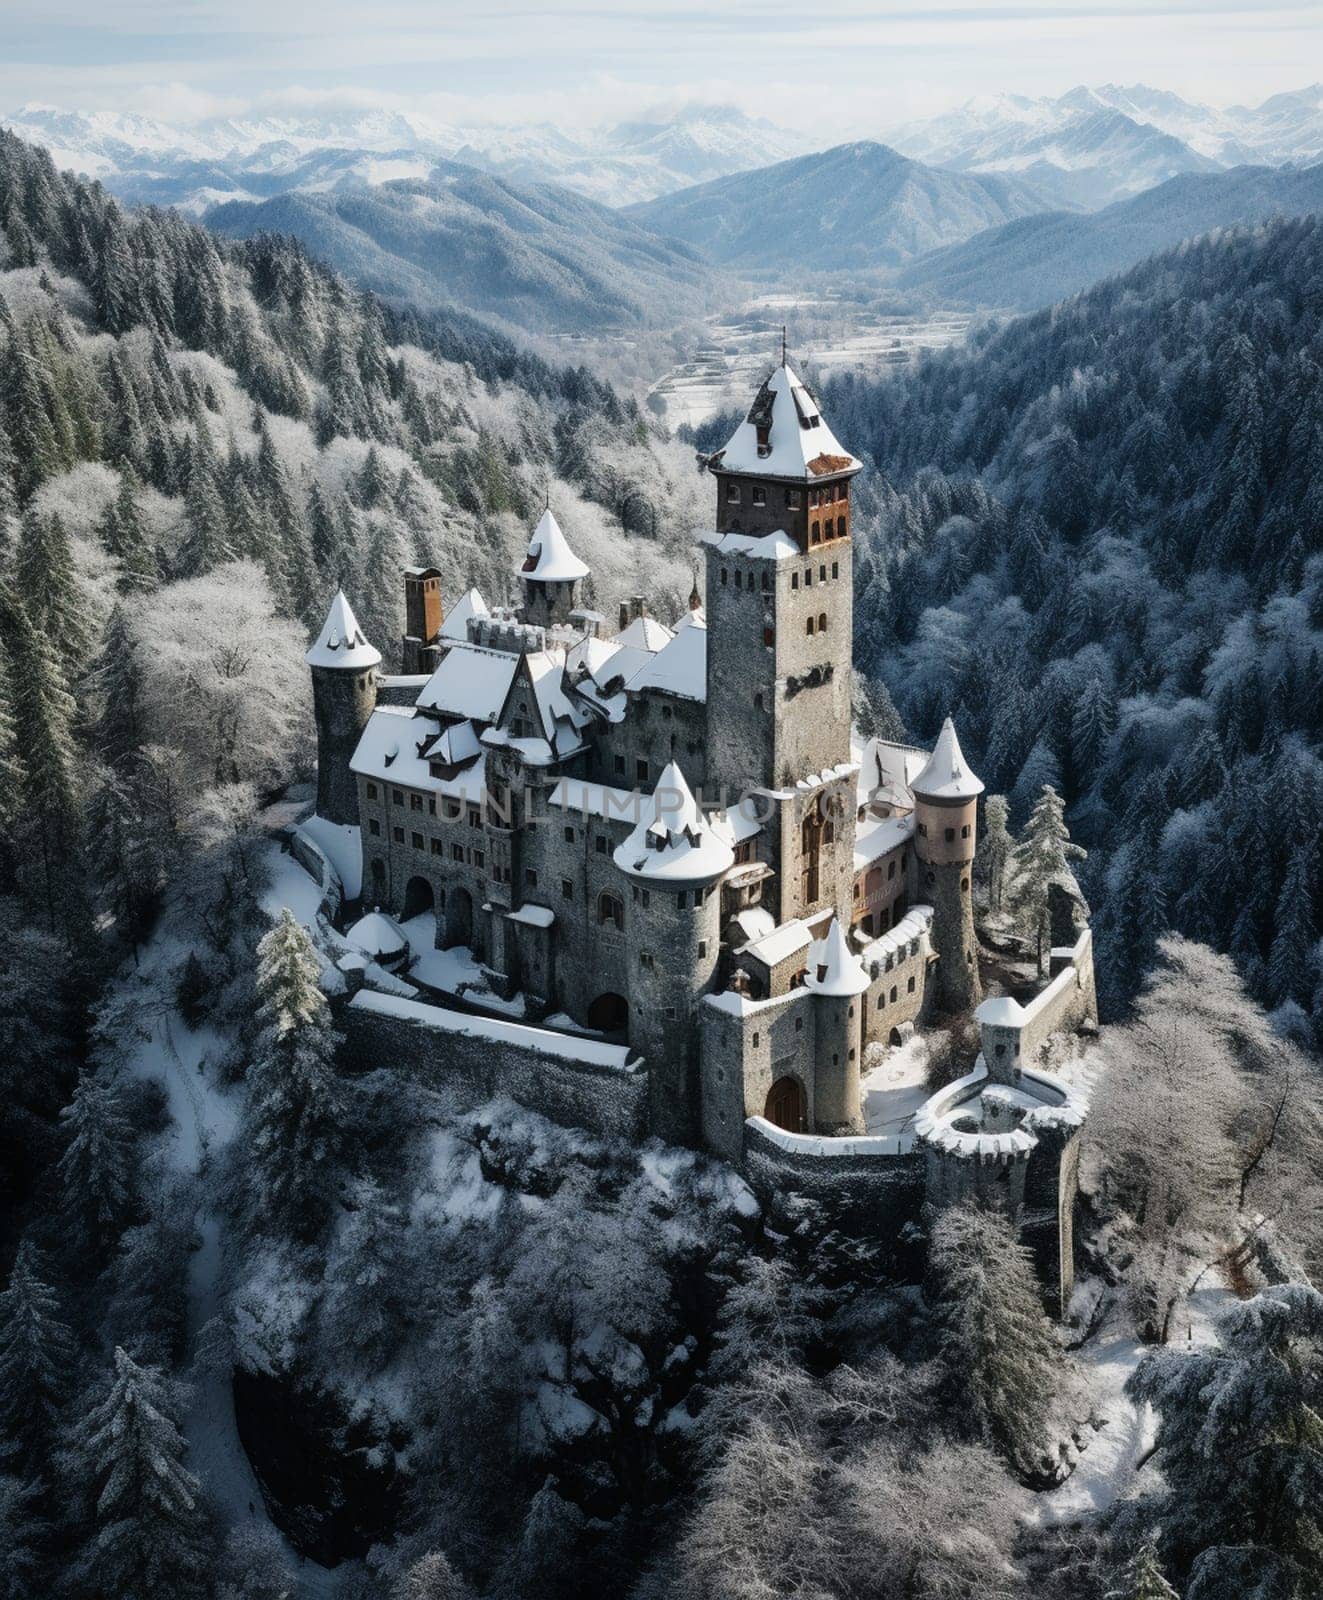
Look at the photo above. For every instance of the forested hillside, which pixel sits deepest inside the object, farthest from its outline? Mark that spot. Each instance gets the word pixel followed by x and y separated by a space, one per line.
pixel 198 442
pixel 535 255
pixel 1100 545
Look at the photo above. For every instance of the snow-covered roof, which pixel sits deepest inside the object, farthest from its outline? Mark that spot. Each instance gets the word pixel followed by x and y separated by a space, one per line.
pixel 342 643
pixel 644 633
pixel 549 558
pixel 694 617
pixel 1000 1011
pixel 392 748
pixel 672 838
pixel 456 624
pixel 799 444
pixel 946 776
pixel 878 836
pixel 532 916
pixel 778 546
pixel 597 800
pixel 471 682
pixel 887 771
pixel 376 934
pixel 458 744
pixel 833 968
pixel 781 942
pixel 680 666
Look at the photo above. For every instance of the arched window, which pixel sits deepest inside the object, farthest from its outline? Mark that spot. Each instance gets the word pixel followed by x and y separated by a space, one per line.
pixel 808 627
pixel 611 909
pixel 815 533
pixel 822 622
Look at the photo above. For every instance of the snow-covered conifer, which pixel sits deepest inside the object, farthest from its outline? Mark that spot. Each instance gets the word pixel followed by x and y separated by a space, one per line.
pixel 1041 858
pixel 36 1362
pixel 98 1174
pixel 149 1532
pixel 1000 1364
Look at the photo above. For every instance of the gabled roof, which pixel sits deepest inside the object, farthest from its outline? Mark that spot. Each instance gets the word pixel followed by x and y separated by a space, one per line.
pixel 946 776
pixel 549 558
pixel 471 683
pixel 342 643
pixel 680 667
pixel 800 445
pixel 456 624
pixel 672 838
pixel 644 633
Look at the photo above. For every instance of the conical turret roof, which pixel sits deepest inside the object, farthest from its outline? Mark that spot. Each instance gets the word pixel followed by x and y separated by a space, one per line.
pixel 833 968
pixel 799 444
pixel 342 643
pixel 672 838
pixel 947 775
pixel 549 558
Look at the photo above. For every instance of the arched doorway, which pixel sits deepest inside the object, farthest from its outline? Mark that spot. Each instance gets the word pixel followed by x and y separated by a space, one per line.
pixel 459 917
pixel 785 1105
pixel 609 1013
pixel 418 897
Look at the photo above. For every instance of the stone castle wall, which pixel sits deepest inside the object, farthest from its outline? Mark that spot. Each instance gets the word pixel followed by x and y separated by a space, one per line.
pixel 578 1083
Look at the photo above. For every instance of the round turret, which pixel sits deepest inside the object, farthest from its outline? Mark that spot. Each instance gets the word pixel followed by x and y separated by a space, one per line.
pixel 945 836
pixel 669 864
pixel 838 981
pixel 344 695
pixel 551 574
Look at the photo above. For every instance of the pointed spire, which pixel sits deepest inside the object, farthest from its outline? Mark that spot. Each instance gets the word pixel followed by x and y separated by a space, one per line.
pixel 947 775
pixel 549 558
pixel 834 969
pixel 672 838
pixel 342 643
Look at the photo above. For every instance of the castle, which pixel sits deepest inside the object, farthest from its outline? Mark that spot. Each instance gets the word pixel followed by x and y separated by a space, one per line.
pixel 668 839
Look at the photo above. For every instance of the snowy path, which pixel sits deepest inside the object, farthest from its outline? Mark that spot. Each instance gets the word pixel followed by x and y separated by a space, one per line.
pixel 205 1117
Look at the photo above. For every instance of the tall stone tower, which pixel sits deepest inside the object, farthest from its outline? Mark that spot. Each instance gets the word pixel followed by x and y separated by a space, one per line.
pixel 946 814
pixel 551 574
pixel 344 695
pixel 779 598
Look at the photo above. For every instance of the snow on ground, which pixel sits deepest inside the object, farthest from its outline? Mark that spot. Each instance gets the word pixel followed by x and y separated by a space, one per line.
pixel 290 886
pixel 894 1085
pixel 205 1113
pixel 1106 1470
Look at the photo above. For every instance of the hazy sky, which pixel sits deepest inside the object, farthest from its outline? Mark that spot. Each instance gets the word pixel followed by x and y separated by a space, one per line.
pixel 844 65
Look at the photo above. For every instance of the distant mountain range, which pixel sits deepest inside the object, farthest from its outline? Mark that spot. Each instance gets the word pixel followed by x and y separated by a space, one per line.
pixel 857 206
pixel 227 158
pixel 538 256
pixel 1091 146
pixel 1036 260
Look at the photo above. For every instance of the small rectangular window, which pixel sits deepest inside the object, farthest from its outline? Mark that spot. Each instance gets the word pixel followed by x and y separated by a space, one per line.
pixel 479 858
pixel 702 948
pixel 682 900
pixel 756 1040
pixel 431 804
pixel 835 569
pixel 417 841
pixel 374 828
pixel 600 842
pixel 530 877
pixel 569 836
pixel 794 580
pixel 372 791
pixel 910 986
pixel 566 889
pixel 794 498
pixel 437 848
pixel 641 771
pixel 457 852
pixel 475 816
pixel 397 797
pixel 398 835
pixel 732 494
pixel 620 764
pixel 760 497
pixel 950 835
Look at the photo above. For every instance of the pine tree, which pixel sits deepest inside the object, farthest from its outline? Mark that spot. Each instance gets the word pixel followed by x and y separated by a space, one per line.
pixel 1091 727
pixel 1043 856
pixel 206 542
pixel 295 1103
pixel 46 583
pixel 370 1301
pixel 43 720
pixel 124 536
pixel 36 1363
pixel 22 1533
pixel 1000 1364
pixel 431 1577
pixel 997 847
pixel 12 776
pixel 98 1174
pixel 1290 971
pixel 875 713
pixel 150 1534
pixel 1240 1450
pixel 1142 1579
pixel 117 682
